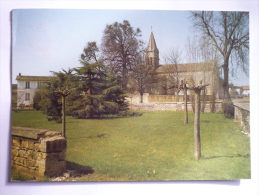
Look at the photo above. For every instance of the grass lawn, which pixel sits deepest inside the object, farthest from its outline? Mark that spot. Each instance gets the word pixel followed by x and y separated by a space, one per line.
pixel 156 146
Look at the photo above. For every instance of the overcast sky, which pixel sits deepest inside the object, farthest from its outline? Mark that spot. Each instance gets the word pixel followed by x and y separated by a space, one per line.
pixel 47 40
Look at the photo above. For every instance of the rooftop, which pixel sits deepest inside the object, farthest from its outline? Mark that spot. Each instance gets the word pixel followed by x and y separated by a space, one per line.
pixel 35 78
pixel 191 67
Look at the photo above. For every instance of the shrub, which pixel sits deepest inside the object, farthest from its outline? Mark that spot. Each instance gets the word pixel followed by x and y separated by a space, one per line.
pixel 129 113
pixel 228 109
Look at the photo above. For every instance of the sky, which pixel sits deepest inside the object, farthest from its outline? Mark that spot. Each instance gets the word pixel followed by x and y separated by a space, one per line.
pixel 45 40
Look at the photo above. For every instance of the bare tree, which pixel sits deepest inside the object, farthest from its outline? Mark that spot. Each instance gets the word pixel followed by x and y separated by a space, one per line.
pixel 121 46
pixel 172 58
pixel 201 51
pixel 229 34
pixel 197 88
pixel 142 77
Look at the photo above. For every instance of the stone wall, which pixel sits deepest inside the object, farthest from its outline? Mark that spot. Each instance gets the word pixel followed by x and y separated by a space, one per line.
pixel 38 152
pixel 147 98
pixel 243 117
pixel 173 106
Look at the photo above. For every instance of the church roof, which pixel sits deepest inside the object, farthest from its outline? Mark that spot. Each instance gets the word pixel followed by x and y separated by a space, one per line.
pixel 151 44
pixel 191 67
pixel 35 78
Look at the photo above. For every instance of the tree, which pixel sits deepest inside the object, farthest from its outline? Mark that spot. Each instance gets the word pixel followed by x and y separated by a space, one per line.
pixel 197 88
pixel 48 102
pixel 229 34
pixel 142 77
pixel 97 93
pixel 121 47
pixel 173 59
pixel 173 56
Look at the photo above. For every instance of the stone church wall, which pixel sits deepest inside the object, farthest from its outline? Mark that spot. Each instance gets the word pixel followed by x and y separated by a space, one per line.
pixel 37 152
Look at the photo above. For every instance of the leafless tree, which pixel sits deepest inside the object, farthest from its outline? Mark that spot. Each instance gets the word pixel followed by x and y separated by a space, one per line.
pixel 199 50
pixel 142 77
pixel 229 34
pixel 197 88
pixel 172 59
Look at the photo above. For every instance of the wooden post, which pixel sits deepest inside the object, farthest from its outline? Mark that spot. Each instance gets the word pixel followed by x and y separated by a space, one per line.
pixel 185 105
pixel 197 139
pixel 63 93
pixel 63 116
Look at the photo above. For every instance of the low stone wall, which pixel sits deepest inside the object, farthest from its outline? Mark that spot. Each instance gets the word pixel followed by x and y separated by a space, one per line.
pixel 38 152
pixel 173 106
pixel 147 98
pixel 243 117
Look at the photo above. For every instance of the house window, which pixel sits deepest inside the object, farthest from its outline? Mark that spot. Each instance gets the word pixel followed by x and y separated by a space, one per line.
pixel 39 85
pixel 27 85
pixel 27 96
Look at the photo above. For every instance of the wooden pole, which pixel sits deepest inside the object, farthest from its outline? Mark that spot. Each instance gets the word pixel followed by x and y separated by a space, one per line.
pixel 63 117
pixel 185 105
pixel 197 139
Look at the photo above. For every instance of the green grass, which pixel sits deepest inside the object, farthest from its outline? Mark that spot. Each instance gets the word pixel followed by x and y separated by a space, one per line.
pixel 156 146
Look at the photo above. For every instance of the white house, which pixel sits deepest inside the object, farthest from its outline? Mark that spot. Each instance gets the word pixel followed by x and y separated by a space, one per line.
pixel 27 86
pixel 246 91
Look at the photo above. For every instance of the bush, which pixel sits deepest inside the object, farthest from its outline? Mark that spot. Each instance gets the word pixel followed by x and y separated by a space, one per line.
pixel 129 113
pixel 228 109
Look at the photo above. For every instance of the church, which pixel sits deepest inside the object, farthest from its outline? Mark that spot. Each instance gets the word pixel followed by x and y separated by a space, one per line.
pixel 173 74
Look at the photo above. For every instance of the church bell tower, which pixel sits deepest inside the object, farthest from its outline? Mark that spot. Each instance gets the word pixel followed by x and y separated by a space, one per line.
pixel 152 53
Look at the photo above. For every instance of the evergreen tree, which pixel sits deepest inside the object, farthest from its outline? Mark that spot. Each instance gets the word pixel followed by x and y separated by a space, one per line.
pixel 96 91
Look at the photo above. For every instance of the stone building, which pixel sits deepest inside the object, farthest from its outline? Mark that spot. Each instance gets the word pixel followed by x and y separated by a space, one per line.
pixel 27 86
pixel 171 74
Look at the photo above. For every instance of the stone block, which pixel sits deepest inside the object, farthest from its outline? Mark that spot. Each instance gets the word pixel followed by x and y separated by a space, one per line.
pixel 24 144
pixel 21 153
pixel 15 142
pixel 57 156
pixel 36 146
pixel 29 163
pixel 53 144
pixel 37 152
pixel 14 152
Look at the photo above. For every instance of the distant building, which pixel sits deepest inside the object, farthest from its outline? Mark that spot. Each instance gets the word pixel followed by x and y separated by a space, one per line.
pixel 206 72
pixel 27 86
pixel 238 91
pixel 246 91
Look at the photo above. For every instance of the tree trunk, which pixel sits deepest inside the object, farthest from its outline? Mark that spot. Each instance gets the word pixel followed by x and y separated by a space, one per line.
pixel 225 82
pixel 141 98
pixel 185 106
pixel 197 139
pixel 63 117
pixel 203 101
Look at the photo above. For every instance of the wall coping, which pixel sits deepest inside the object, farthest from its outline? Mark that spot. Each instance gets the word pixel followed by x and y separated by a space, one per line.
pixel 152 103
pixel 240 107
pixel 33 133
